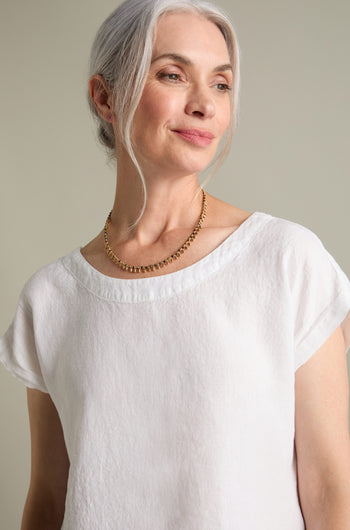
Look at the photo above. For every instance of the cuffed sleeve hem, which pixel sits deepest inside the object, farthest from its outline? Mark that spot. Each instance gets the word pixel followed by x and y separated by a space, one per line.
pixel 29 379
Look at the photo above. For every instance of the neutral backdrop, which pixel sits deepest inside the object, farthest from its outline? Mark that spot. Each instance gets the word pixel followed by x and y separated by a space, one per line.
pixel 290 154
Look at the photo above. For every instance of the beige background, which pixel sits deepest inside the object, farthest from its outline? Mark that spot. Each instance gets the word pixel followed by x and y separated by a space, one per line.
pixel 289 157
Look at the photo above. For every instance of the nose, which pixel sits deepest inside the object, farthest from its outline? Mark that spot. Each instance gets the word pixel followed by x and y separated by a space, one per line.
pixel 200 103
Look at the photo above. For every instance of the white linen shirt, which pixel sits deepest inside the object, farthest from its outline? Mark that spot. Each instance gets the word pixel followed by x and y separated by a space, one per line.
pixel 176 392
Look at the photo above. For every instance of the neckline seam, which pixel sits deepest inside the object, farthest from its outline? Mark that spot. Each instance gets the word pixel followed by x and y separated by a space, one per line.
pixel 100 276
pixel 171 290
pixel 168 291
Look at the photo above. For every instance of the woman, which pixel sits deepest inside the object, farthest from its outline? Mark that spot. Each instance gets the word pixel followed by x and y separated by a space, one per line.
pixel 201 388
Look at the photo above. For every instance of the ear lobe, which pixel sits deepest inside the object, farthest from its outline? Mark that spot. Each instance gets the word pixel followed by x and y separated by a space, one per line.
pixel 101 96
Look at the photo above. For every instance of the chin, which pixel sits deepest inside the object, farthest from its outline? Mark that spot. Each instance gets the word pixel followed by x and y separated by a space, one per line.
pixel 194 164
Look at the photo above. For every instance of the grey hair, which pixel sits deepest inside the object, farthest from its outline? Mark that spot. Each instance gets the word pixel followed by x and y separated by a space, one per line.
pixel 121 53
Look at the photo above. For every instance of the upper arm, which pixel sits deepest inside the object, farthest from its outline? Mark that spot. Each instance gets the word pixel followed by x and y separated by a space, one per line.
pixel 322 438
pixel 49 461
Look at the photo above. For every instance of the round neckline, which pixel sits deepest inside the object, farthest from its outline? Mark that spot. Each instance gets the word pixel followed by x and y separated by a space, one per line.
pixel 164 285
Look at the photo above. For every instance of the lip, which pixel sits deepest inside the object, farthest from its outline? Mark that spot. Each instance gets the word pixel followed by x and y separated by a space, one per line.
pixel 195 136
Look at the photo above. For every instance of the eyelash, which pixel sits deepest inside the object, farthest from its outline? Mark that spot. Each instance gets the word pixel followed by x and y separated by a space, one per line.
pixel 163 75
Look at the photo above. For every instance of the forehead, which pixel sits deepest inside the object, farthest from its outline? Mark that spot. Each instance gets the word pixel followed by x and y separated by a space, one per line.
pixel 190 34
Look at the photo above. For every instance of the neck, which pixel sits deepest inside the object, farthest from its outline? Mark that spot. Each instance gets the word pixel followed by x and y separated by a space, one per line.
pixel 171 204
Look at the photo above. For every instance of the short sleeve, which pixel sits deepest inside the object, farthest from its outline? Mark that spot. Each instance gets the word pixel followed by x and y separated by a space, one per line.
pixel 18 351
pixel 320 292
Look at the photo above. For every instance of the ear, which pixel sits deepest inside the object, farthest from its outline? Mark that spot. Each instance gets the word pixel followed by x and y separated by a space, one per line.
pixel 101 97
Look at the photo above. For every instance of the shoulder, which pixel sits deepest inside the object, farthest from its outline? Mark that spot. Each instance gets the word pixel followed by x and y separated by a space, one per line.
pixel 288 236
pixel 274 233
pixel 46 282
pixel 225 214
pixel 301 254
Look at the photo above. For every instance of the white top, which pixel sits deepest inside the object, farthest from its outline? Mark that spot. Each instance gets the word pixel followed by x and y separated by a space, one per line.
pixel 176 392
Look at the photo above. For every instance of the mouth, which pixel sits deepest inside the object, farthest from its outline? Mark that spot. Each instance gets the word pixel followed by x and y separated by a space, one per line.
pixel 195 136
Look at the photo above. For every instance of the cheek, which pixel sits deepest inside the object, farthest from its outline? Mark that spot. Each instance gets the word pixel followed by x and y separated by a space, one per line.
pixel 156 107
pixel 225 116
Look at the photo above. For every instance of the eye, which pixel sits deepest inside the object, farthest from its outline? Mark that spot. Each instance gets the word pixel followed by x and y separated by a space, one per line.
pixel 223 87
pixel 172 76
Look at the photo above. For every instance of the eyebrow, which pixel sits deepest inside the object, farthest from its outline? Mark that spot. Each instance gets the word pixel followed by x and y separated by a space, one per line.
pixel 184 60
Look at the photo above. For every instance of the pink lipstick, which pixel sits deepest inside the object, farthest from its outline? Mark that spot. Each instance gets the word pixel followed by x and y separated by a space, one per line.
pixel 195 136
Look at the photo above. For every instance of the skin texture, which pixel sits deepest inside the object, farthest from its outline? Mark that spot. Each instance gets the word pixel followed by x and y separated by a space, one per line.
pixel 180 96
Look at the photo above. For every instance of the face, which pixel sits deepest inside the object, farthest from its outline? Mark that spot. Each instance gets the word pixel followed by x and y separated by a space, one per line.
pixel 185 105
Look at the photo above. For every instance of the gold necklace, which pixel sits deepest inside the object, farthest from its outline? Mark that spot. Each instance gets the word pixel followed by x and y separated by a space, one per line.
pixel 148 268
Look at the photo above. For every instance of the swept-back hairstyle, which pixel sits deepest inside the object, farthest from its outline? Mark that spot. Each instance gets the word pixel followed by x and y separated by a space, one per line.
pixel 121 53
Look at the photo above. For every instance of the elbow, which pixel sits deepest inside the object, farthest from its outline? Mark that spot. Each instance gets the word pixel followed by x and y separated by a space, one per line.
pixel 329 509
pixel 41 513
